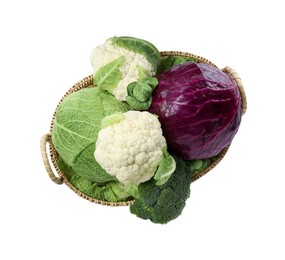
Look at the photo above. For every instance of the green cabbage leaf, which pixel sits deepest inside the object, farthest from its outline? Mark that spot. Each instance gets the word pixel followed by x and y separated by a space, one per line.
pixel 140 46
pixel 109 76
pixel 76 126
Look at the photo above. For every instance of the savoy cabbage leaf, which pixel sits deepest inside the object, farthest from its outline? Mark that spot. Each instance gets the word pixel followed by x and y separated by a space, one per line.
pixel 78 121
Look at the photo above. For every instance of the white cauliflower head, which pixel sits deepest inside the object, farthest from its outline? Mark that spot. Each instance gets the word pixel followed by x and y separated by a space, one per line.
pixel 129 70
pixel 131 148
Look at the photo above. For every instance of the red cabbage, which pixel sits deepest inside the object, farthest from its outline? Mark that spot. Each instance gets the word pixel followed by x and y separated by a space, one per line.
pixel 199 108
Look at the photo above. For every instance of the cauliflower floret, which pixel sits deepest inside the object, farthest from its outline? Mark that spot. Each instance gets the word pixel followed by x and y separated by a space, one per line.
pixel 108 52
pixel 131 149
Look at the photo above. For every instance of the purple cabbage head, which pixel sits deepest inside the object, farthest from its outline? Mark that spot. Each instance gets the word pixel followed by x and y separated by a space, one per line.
pixel 199 108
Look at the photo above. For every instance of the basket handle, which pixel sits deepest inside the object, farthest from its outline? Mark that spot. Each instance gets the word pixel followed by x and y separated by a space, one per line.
pixel 230 71
pixel 44 140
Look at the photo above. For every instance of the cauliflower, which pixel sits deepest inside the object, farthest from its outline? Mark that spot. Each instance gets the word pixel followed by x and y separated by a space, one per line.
pixel 129 70
pixel 121 61
pixel 131 147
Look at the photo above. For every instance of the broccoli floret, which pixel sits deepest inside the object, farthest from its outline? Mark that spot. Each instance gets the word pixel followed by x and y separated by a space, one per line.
pixel 164 203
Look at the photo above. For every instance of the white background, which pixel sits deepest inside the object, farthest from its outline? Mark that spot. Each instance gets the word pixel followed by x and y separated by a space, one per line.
pixel 234 212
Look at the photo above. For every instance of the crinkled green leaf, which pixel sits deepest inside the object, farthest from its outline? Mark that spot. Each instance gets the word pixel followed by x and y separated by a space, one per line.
pixel 195 167
pixel 143 72
pixel 78 121
pixel 139 46
pixel 168 62
pixel 86 166
pixel 111 191
pixel 112 119
pixel 166 167
pixel 151 81
pixel 65 168
pixel 108 76
pixel 82 184
pixel 138 105
pixel 120 191
pixel 142 91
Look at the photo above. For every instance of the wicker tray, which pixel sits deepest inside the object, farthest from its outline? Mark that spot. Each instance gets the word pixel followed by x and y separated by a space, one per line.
pixel 60 177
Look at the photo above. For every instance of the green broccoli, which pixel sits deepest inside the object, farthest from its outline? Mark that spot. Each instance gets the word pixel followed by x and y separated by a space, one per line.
pixel 164 203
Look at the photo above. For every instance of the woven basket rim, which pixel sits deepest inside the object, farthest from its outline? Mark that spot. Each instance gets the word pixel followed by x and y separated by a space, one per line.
pixel 87 81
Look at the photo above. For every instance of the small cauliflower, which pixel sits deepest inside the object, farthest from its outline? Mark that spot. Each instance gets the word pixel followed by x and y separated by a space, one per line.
pixel 131 147
pixel 121 61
